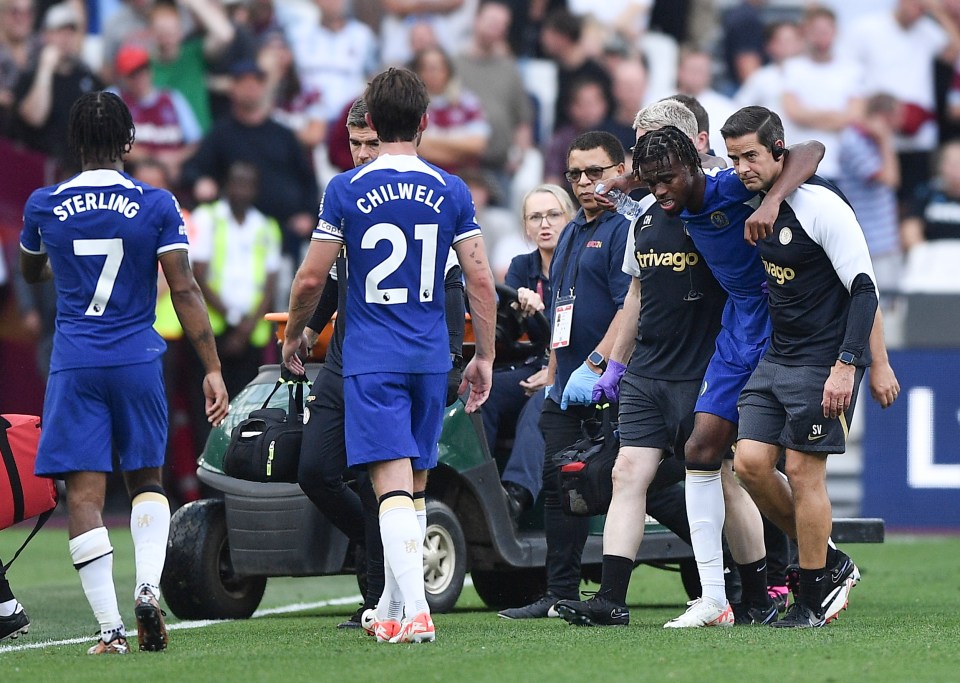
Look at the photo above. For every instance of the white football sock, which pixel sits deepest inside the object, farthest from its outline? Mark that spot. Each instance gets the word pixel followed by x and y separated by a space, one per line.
pixel 420 505
pixel 705 511
pixel 403 544
pixel 92 556
pixel 390 605
pixel 149 526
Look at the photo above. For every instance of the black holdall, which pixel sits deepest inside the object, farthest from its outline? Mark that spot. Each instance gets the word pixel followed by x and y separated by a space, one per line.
pixel 586 468
pixel 266 446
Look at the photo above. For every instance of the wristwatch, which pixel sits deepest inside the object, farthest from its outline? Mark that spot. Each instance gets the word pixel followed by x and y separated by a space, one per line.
pixel 597 359
pixel 847 358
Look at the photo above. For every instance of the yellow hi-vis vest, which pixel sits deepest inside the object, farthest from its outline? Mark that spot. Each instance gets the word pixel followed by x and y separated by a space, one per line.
pixel 270 232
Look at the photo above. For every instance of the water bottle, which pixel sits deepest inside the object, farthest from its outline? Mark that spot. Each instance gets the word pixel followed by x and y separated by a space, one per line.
pixel 623 203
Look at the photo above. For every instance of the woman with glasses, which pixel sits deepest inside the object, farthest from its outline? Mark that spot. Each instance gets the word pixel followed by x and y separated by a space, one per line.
pixel 546 210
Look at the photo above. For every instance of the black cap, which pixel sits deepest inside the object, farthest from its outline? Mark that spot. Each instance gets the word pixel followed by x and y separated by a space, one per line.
pixel 246 67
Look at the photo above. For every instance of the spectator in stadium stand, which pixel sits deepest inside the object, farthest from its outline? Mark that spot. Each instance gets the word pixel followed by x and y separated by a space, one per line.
pixel 561 38
pixel 629 93
pixel 764 87
pixel 243 47
pixel 129 22
pixel 458 133
pixel 19 47
pixel 180 59
pixel 821 90
pixel 489 69
pixel 869 178
pixel 743 44
pixel 167 129
pixel 527 23
pixel 296 105
pixel 288 185
pixel 45 93
pixel 896 49
pixel 934 213
pixel 587 109
pixel 334 56
pixel 695 78
pixel 406 25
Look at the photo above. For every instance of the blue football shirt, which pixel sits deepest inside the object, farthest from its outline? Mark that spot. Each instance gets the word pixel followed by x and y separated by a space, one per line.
pixel 398 217
pixel 717 232
pixel 103 233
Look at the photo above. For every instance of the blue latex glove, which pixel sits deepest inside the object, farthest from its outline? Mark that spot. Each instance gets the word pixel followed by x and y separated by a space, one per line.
pixel 609 383
pixel 579 387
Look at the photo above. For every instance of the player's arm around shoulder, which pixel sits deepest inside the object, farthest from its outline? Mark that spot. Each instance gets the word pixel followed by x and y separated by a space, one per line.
pixel 800 162
pixel 483 314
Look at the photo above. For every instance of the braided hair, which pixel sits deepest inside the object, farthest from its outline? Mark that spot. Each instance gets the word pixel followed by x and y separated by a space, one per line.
pixel 101 127
pixel 656 146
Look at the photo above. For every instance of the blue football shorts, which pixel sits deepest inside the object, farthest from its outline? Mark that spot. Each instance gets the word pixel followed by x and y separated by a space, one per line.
pixel 89 413
pixel 392 415
pixel 727 373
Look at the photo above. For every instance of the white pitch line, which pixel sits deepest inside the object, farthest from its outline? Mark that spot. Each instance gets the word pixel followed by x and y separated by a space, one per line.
pixel 200 623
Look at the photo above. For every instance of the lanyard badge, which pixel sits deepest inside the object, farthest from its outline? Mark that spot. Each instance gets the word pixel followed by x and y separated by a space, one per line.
pixel 562 322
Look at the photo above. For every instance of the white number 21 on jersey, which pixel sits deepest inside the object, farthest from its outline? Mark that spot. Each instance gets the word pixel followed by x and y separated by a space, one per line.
pixel 111 248
pixel 426 234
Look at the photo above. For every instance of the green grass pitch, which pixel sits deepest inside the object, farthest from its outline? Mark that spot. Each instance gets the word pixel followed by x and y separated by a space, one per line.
pixel 903 624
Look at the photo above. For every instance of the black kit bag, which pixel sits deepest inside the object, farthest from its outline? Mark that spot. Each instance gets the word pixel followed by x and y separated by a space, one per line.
pixel 266 446
pixel 586 468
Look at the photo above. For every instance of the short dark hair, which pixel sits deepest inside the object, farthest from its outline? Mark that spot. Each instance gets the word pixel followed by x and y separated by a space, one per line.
pixel 599 138
pixel 770 30
pixel 416 63
pixel 357 115
pixel 397 99
pixel 566 23
pixel 816 11
pixel 754 119
pixel 100 127
pixel 657 145
pixel 699 113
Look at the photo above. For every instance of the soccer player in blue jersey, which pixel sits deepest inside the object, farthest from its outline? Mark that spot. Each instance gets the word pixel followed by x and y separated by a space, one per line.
pixel 99 235
pixel 718 211
pixel 718 214
pixel 398 217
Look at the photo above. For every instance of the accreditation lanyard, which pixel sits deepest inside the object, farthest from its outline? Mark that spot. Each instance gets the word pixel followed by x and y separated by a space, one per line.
pixel 563 306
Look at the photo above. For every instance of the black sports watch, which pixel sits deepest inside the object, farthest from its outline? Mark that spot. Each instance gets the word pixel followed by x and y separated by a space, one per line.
pixel 847 358
pixel 597 359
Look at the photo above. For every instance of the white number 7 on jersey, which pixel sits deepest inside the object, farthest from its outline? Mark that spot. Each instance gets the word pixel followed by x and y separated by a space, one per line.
pixel 111 248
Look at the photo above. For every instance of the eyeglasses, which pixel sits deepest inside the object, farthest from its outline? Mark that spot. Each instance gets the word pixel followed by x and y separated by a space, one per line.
pixel 553 217
pixel 593 173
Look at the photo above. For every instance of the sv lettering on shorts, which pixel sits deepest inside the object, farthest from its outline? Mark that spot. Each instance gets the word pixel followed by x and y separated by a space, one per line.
pixel 816 433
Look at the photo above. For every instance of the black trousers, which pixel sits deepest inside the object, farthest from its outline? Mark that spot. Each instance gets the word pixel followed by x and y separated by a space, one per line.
pixel 566 534
pixel 323 466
